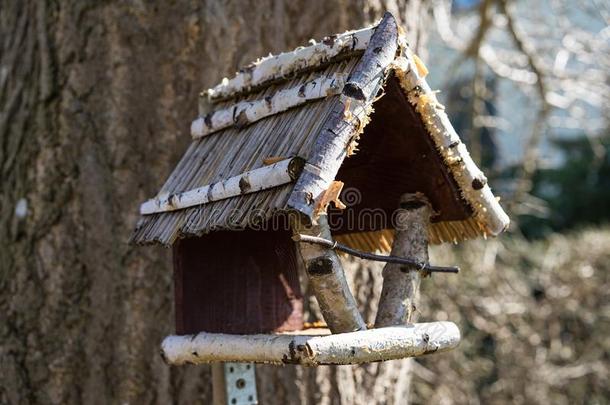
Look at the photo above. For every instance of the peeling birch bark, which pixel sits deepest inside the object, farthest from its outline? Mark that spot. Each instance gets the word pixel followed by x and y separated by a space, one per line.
pixel 347 121
pixel 327 281
pixel 471 181
pixel 263 178
pixel 273 68
pixel 401 282
pixel 336 349
pixel 380 53
pixel 247 112
pixel 332 145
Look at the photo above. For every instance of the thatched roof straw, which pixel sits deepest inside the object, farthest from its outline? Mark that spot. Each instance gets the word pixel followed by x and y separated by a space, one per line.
pixel 315 103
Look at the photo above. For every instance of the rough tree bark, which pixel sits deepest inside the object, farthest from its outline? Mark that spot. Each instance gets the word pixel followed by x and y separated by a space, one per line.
pixel 96 100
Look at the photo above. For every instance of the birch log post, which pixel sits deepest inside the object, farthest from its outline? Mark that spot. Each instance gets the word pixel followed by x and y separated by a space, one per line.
pixel 401 282
pixel 336 349
pixel 327 280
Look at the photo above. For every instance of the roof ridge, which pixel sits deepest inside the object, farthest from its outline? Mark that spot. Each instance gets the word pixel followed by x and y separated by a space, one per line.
pixel 282 66
pixel 343 128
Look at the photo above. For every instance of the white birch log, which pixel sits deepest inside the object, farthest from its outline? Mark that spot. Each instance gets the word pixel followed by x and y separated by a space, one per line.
pixel 337 349
pixel 380 53
pixel 247 112
pixel 327 280
pixel 471 181
pixel 400 290
pixel 347 121
pixel 272 68
pixel 263 178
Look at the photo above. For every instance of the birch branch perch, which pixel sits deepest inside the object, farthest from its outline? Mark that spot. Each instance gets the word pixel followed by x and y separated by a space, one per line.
pixel 247 112
pixel 331 244
pixel 336 349
pixel 263 178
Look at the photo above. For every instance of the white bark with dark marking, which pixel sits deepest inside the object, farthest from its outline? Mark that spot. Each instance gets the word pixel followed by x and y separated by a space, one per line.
pixel 347 121
pixel 336 349
pixel 327 281
pixel 263 178
pixel 401 282
pixel 470 179
pixel 273 68
pixel 247 112
pixel 380 52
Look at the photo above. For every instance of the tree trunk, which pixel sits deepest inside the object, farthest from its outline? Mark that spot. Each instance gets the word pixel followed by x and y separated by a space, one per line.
pixel 96 100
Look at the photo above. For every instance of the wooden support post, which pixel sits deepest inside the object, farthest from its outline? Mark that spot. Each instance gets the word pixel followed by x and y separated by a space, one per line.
pixel 219 393
pixel 400 281
pixel 327 280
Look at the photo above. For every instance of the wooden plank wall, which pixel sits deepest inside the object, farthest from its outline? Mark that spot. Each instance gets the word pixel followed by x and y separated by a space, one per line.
pixel 237 282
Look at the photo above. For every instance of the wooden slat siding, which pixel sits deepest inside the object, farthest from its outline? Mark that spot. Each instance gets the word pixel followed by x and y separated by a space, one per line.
pixel 237 282
pixel 178 263
pixel 232 151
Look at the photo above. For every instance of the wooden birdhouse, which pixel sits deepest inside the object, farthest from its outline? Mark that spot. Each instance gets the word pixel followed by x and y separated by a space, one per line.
pixel 257 196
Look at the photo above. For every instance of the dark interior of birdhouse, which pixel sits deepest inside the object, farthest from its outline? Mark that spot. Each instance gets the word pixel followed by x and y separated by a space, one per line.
pixel 395 155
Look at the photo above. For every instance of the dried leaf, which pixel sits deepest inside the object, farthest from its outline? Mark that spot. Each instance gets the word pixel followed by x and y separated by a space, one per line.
pixel 330 195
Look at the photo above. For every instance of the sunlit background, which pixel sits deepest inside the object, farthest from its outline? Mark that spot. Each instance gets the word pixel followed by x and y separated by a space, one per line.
pixel 527 85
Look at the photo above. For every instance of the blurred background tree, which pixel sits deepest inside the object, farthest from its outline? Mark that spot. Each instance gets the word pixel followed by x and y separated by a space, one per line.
pixel 96 100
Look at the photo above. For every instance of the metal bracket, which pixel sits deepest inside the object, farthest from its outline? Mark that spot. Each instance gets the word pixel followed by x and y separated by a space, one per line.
pixel 239 387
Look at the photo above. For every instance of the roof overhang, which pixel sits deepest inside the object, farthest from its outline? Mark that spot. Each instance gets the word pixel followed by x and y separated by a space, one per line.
pixel 342 109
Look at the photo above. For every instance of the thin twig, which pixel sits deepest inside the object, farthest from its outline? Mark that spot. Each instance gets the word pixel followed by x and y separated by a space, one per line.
pixel 331 244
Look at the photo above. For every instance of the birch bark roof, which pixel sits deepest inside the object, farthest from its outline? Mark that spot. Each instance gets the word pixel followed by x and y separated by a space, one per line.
pixel 395 139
